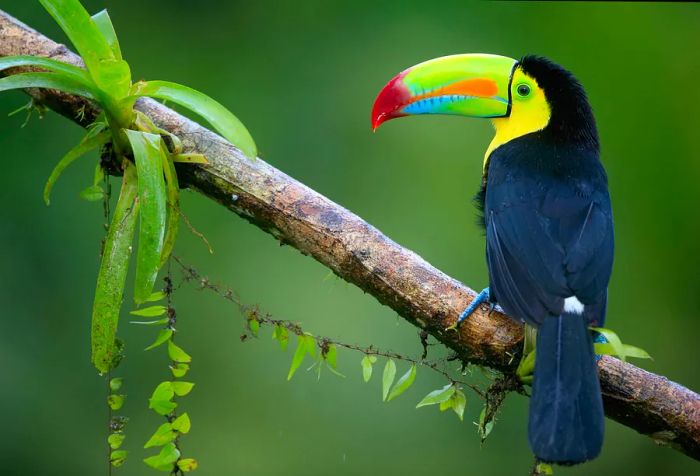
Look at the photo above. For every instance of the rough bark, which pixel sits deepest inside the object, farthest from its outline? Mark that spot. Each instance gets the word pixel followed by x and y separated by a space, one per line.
pixel 362 255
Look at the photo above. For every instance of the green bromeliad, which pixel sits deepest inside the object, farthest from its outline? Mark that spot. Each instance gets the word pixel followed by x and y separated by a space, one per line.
pixel 150 191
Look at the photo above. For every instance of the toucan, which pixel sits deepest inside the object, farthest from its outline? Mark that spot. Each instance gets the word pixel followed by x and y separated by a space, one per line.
pixel 547 216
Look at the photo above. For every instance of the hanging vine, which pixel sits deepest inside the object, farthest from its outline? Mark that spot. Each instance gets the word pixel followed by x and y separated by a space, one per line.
pixel 167 436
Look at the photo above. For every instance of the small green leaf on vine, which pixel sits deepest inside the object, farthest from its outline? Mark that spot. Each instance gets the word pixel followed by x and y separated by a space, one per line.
pixel 163 336
pixel 162 407
pixel 116 383
pixel 330 355
pixel 447 404
pixel 157 296
pixel 117 458
pixel 459 403
pixel 179 369
pixel 297 359
pixel 182 424
pixel 181 388
pixel 254 326
pixel 115 440
pixel 437 396
pixel 164 391
pixel 280 333
pixel 367 362
pixel 176 354
pixel 115 402
pixel 388 378
pixel 164 460
pixel 151 311
pixel 484 426
pixel 161 400
pixel 163 435
pixel 305 345
pixel 187 464
pixel 403 383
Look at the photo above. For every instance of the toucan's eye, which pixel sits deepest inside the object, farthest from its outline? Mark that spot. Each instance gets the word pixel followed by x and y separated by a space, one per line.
pixel 523 90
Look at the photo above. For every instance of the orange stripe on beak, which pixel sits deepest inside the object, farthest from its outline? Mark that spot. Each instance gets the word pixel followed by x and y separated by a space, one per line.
pixel 483 88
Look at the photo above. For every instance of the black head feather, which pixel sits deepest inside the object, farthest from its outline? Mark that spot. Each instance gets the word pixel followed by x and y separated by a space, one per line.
pixel 572 118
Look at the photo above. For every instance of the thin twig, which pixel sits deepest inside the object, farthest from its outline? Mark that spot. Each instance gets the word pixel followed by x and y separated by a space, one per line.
pixel 190 274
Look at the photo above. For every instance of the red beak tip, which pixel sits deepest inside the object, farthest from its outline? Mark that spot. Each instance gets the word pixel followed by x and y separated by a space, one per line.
pixel 377 121
pixel 389 101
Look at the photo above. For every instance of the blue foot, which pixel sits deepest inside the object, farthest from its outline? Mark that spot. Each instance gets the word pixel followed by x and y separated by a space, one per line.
pixel 482 297
pixel 599 339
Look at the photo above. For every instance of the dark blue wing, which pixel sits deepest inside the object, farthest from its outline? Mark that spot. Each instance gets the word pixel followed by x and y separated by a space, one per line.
pixel 549 236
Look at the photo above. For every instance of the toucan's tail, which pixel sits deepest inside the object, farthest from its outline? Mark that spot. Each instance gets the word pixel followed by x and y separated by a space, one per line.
pixel 566 409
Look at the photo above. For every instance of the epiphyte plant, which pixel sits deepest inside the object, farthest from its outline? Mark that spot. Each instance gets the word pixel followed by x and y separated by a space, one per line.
pixel 144 153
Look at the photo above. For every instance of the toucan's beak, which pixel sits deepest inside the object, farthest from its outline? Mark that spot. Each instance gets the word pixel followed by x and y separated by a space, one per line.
pixel 474 85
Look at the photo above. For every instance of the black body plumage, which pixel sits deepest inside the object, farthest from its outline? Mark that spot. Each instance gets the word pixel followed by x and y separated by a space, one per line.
pixel 549 234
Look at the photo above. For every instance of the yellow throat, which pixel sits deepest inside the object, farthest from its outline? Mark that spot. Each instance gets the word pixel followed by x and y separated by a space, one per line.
pixel 527 115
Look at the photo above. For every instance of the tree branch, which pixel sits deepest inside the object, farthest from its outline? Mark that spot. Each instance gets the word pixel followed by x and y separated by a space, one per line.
pixel 362 255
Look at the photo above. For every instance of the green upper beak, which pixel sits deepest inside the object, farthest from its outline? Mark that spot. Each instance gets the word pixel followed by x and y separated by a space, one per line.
pixel 475 85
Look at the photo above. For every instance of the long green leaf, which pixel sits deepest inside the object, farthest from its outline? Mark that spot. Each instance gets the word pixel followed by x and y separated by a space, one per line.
pixel 91 141
pixel 82 31
pixel 111 74
pixel 68 70
pixel 164 460
pixel 305 345
pixel 104 24
pixel 213 112
pixel 282 335
pixel 388 377
pixel 437 396
pixel 151 311
pixel 149 165
pixel 112 274
pixel 163 336
pixel 164 434
pixel 367 362
pixel 172 189
pixel 403 383
pixel 46 80
pixel 459 403
pixel 178 355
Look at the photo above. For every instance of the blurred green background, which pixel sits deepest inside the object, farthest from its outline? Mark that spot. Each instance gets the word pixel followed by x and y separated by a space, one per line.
pixel 302 76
